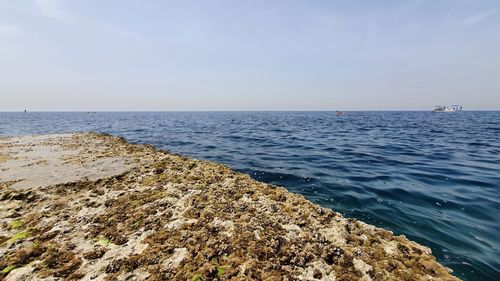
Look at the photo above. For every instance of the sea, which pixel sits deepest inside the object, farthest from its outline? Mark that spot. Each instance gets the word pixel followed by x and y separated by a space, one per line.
pixel 433 177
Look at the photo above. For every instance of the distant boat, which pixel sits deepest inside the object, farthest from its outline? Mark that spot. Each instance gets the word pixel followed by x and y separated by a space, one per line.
pixel 339 113
pixel 447 108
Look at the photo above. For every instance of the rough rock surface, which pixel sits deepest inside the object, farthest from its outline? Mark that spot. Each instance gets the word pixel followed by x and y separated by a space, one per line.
pixel 94 207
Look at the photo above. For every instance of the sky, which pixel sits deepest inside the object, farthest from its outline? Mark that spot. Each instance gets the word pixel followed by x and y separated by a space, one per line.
pixel 97 55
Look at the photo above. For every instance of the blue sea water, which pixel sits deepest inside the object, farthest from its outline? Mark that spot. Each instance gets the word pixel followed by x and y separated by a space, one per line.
pixel 434 177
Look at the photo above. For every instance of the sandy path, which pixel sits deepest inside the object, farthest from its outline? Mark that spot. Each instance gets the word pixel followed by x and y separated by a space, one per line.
pixel 40 161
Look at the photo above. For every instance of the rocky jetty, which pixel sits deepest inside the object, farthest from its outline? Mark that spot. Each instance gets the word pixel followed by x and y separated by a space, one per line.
pixel 94 207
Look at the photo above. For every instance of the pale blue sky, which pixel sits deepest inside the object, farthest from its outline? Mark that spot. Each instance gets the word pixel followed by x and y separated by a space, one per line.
pixel 249 55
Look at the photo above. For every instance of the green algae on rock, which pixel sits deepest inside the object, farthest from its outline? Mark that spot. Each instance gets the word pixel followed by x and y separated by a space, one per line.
pixel 161 216
pixel 16 224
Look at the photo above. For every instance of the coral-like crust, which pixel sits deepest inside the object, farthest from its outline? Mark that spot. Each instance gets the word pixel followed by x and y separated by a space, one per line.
pixel 163 216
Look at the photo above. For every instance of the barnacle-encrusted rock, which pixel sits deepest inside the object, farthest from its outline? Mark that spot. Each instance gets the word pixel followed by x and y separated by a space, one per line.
pixel 92 206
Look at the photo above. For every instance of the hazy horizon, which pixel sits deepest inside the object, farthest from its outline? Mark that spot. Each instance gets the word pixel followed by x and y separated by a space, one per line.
pixel 249 55
pixel 215 111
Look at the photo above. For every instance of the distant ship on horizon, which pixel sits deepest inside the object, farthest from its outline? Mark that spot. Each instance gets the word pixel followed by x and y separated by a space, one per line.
pixel 447 108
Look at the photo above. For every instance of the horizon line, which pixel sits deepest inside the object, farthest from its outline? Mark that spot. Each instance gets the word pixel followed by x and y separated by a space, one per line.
pixel 332 110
